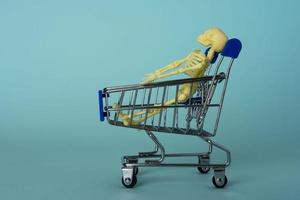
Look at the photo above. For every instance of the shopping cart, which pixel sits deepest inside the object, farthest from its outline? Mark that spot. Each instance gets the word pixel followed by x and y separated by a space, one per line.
pixel 185 118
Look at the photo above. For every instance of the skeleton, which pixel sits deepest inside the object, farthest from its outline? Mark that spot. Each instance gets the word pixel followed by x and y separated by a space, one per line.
pixel 193 65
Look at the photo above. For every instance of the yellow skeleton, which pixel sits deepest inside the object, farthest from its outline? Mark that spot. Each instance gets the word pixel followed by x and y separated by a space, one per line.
pixel 193 65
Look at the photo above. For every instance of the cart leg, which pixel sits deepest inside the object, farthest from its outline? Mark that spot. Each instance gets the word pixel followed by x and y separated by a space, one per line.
pixel 158 146
pixel 222 148
pixel 219 179
pixel 149 153
pixel 209 144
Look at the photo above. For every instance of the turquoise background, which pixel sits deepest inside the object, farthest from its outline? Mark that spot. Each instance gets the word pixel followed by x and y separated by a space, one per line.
pixel 55 55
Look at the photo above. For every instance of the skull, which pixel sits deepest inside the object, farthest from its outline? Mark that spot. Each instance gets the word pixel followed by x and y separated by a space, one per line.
pixel 214 38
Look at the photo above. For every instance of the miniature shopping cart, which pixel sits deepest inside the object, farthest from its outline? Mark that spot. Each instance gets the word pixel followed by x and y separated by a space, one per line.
pixel 185 118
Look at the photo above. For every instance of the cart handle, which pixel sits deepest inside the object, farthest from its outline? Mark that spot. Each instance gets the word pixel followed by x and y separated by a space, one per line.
pixel 102 114
pixel 232 48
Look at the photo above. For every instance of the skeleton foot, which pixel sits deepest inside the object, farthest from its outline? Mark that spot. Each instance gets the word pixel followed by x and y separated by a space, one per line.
pixel 126 119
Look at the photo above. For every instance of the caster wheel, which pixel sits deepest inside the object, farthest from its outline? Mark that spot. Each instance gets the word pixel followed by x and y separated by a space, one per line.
pixel 219 182
pixel 203 170
pixel 203 160
pixel 136 171
pixel 129 183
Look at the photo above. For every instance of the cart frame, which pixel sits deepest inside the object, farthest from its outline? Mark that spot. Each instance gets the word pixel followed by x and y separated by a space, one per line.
pixel 196 106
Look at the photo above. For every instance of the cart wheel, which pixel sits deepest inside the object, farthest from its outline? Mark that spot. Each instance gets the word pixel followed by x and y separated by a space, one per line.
pixel 219 182
pixel 204 160
pixel 136 171
pixel 203 170
pixel 129 183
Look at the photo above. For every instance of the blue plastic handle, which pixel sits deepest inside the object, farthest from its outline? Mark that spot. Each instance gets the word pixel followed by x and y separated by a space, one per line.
pixel 101 112
pixel 232 48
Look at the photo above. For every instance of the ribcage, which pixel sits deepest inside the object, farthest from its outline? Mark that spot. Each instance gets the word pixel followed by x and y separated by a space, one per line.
pixel 196 58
